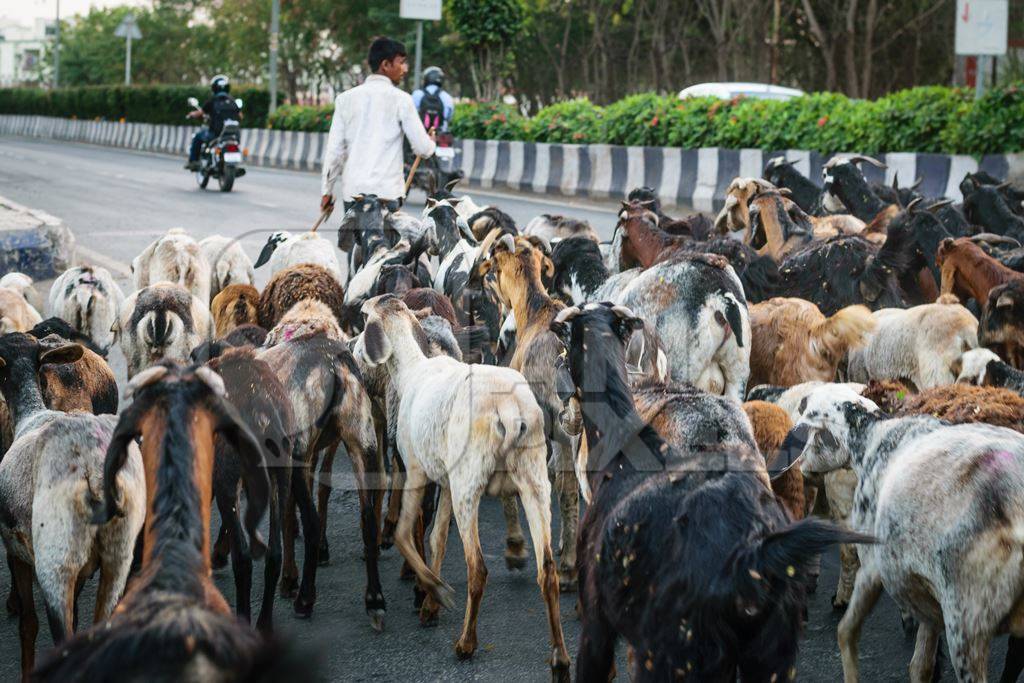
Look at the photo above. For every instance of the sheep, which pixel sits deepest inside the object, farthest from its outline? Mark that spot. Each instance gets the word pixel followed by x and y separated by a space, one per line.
pixel 962 403
pixel 792 342
pixel 331 407
pixel 951 566
pixel 470 428
pixel 284 250
pixel 968 272
pixel 771 425
pixel 919 345
pixel 229 264
pixel 307 317
pixel 49 479
pixel 653 507
pixel 517 269
pixel 16 313
pixel 233 306
pixel 175 257
pixel 291 285
pixel 173 620
pixel 160 321
pixel 1001 322
pixel 552 227
pixel 88 299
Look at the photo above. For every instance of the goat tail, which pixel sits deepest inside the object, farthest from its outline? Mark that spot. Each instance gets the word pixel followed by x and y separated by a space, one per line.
pixel 948 299
pixel 844 330
pixel 734 316
pixel 511 425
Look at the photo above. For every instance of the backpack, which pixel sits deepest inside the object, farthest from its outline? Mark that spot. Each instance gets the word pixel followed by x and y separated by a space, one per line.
pixel 432 109
pixel 224 108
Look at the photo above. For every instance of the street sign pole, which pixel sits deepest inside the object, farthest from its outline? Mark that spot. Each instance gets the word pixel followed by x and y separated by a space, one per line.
pixel 981 31
pixel 56 51
pixel 275 21
pixel 420 11
pixel 419 54
pixel 129 31
pixel 128 60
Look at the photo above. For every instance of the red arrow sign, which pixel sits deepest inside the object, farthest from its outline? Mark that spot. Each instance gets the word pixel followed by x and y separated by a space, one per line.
pixel 967 12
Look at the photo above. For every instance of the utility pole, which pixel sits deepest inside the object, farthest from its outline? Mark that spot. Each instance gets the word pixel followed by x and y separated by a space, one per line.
pixel 275 21
pixel 419 55
pixel 56 51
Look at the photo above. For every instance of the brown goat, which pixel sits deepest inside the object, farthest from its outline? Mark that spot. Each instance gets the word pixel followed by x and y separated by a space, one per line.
pixel 771 425
pixel 792 342
pixel 235 305
pixel 968 272
pixel 292 285
pixel 643 242
pixel 423 297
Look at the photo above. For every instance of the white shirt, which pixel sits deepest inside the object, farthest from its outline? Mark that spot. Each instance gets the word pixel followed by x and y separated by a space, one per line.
pixel 365 142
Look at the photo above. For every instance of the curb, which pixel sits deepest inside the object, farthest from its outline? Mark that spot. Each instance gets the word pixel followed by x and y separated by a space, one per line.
pixel 33 242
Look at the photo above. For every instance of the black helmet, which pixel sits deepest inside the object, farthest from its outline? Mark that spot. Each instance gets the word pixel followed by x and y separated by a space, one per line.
pixel 220 83
pixel 433 76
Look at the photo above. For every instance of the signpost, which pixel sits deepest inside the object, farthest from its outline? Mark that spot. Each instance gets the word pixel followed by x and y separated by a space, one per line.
pixel 420 10
pixel 981 29
pixel 129 31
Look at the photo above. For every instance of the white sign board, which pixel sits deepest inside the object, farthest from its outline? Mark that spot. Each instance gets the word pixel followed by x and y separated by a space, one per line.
pixel 127 28
pixel 429 10
pixel 981 27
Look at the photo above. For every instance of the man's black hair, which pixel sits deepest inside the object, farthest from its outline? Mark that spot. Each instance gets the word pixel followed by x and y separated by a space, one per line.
pixel 384 49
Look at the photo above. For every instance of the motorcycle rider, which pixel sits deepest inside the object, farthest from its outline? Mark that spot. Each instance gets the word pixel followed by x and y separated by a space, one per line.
pixel 219 107
pixel 433 102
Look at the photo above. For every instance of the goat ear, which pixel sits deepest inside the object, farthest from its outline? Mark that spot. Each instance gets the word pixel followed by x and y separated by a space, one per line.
pixel 376 347
pixel 549 267
pixel 117 454
pixel 254 469
pixel 1004 301
pixel 266 252
pixel 68 353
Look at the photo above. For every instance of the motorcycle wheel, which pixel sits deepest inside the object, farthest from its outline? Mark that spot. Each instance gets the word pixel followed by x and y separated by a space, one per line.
pixel 226 179
pixel 202 179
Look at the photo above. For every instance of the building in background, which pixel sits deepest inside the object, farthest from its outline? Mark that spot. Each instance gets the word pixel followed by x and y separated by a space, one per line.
pixel 21 51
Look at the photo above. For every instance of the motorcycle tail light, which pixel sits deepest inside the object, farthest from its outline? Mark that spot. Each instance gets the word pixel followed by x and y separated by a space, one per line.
pixel 230 148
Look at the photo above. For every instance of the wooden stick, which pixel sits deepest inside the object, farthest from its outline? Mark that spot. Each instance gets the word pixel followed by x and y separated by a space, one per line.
pixel 323 216
pixel 412 174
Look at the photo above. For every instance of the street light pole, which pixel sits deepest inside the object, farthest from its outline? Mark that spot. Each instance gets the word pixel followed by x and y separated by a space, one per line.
pixel 56 51
pixel 419 55
pixel 275 21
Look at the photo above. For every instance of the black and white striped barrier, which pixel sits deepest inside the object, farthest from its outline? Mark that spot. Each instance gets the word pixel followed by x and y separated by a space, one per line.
pixel 688 177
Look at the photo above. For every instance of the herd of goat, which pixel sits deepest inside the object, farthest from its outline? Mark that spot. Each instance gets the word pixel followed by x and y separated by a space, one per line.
pixel 711 388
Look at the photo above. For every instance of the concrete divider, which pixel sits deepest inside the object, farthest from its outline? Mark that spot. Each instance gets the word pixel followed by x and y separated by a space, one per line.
pixel 693 177
pixel 33 242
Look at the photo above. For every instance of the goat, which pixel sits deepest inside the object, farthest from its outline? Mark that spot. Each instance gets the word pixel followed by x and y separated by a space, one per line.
pixel 284 250
pixel 698 226
pixel 551 227
pixel 697 307
pixel 579 269
pixel 907 471
pixel 968 272
pixel 173 620
pixel 643 243
pixel 651 506
pixel 243 335
pixel 471 428
pixel 365 221
pixel 771 425
pixel 846 191
pixel 49 479
pixel 517 269
pixel 175 257
pixel 331 407
pixel 160 321
pixel 985 368
pixel 233 306
pixel 292 285
pixel 63 330
pixel 88 299
pixel 985 205
pixel 491 218
pixel 781 173
pixel 919 345
pixel 792 342
pixel 396 279
pixel 16 313
pixel 758 274
pixel 921 275
pixel 735 213
pixel 963 403
pixel 229 264
pixel 307 317
pixel 1002 325
pixel 377 254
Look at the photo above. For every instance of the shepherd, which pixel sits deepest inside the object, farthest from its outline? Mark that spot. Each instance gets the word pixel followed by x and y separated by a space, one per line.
pixel 364 146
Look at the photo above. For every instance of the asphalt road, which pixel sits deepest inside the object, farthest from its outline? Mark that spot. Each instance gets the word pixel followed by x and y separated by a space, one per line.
pixel 116 202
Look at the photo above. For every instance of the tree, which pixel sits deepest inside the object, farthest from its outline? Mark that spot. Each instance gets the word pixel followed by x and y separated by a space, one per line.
pixel 486 29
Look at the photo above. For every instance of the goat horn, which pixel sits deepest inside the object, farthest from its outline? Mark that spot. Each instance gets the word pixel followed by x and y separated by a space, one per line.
pixel 764 185
pixel 567 314
pixel 212 380
pixel 1004 301
pixel 896 182
pixel 508 242
pixel 917 183
pixel 1004 185
pixel 992 238
pixel 647 203
pixel 540 242
pixel 857 158
pixel 913 204
pixel 939 204
pixel 622 312
pixel 485 246
pixel 144 379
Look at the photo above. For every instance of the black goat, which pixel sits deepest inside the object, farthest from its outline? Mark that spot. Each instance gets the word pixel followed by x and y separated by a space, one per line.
pixel 781 172
pixel 485 220
pixel 1014 197
pixel 579 269
pixel 986 206
pixel 694 564
pixel 847 191
pixel 1002 322
pixel 63 330
pixel 920 277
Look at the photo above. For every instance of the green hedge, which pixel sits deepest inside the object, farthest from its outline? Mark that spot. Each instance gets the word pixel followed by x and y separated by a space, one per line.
pixel 143 103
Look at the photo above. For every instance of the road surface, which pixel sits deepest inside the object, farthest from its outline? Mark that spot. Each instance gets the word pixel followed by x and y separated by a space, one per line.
pixel 117 201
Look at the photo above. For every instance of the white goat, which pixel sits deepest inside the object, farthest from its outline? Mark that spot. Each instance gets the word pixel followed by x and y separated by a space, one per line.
pixel 284 250
pixel 229 264
pixel 49 480
pixel 88 299
pixel 16 313
pixel 160 321
pixel 946 504
pixel 922 345
pixel 471 428
pixel 175 257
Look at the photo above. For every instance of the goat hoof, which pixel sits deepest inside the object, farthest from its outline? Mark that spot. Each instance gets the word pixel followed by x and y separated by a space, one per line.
pixel 567 582
pixel 839 605
pixel 387 535
pixel 418 596
pixel 289 587
pixel 376 619
pixel 464 650
pixel 445 595
pixel 406 573
pixel 428 616
pixel 303 609
pixel 560 668
pixel 515 562
pixel 218 561
pixel 12 604
pixel 323 555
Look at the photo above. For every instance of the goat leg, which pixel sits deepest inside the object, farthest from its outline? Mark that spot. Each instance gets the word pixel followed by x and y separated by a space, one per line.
pixel 438 546
pixel 272 562
pixel 467 505
pixel 370 483
pixel 28 622
pixel 323 496
pixel 515 542
pixel 412 496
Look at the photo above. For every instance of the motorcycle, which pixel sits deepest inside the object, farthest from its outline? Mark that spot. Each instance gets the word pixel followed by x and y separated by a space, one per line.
pixel 220 158
pixel 438 170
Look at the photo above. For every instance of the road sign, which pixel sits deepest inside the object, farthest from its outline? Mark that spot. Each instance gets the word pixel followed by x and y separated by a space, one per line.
pixel 429 10
pixel 128 28
pixel 981 27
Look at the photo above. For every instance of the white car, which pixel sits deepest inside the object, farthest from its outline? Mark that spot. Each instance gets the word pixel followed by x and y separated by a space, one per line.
pixel 727 91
